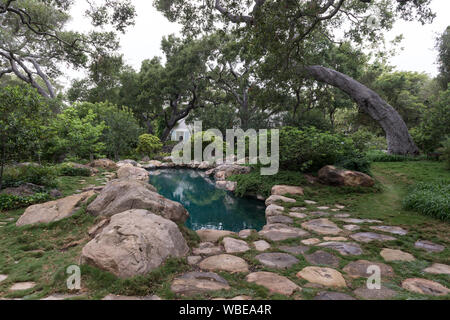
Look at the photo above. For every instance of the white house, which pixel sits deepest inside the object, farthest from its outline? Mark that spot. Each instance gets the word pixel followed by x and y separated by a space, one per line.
pixel 181 131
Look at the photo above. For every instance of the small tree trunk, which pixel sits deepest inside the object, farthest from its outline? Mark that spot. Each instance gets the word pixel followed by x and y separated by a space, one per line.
pixel 398 138
pixel 166 133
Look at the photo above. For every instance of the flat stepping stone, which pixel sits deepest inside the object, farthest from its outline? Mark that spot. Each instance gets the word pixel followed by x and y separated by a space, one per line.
pixel 198 282
pixel 335 239
pixel 279 219
pixel 319 214
pixel 310 202
pixel 383 293
pixel 3 277
pixel 424 286
pixel 344 248
pixel 280 232
pixel 275 198
pixel 232 245
pixel 429 246
pixel 389 229
pixel 193 260
pixel 438 268
pixel 396 255
pixel 339 206
pixel 274 282
pixel 209 235
pixel 261 245
pixel 367 237
pixel 207 249
pixel 322 226
pixel 335 210
pixel 342 215
pixel 224 262
pixel 277 260
pixel 359 221
pixel 328 295
pixel 22 286
pixel 323 208
pixel 360 268
pixel 130 298
pixel 285 189
pixel 244 234
pixel 297 215
pixel 324 276
pixel 297 250
pixel 323 258
pixel 298 209
pixel 311 241
pixel 351 227
pixel 237 298
pixel 274 210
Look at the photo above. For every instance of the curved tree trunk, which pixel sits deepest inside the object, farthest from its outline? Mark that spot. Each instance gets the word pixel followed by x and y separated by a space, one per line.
pixel 398 138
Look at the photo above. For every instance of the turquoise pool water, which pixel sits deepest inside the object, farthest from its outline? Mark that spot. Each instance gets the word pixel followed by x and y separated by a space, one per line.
pixel 209 207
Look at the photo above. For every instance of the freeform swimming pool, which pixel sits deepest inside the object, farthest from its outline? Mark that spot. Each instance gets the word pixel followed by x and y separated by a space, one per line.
pixel 209 207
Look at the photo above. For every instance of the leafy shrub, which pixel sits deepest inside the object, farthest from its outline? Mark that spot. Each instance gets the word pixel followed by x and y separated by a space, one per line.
pixel 149 145
pixel 365 140
pixel 357 163
pixel 432 199
pixel 379 156
pixel 11 202
pixel 256 184
pixel 71 171
pixel 311 149
pixel 39 175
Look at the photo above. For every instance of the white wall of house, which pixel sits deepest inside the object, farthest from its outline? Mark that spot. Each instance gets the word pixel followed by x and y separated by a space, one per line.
pixel 182 129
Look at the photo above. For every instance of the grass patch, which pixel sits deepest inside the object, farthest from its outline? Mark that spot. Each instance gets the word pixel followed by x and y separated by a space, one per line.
pixel 432 199
pixel 379 156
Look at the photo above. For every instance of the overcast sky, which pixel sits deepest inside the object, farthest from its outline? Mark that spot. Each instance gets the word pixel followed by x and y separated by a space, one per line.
pixel 142 41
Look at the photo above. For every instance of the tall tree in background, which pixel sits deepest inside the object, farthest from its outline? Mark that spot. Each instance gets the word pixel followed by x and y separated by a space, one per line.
pixel 35 42
pixel 443 46
pixel 171 91
pixel 289 30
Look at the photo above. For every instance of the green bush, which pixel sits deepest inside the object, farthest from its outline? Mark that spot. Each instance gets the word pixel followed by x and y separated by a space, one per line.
pixel 309 150
pixel 365 140
pixel 149 145
pixel 256 184
pixel 39 175
pixel 71 171
pixel 432 199
pixel 11 202
pixel 357 163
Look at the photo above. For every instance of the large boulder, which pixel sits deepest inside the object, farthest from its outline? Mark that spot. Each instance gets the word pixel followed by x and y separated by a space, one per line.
pixel 104 164
pixel 128 171
pixel 54 210
pixel 224 171
pixel 134 243
pixel 121 195
pixel 339 177
pixel 127 161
